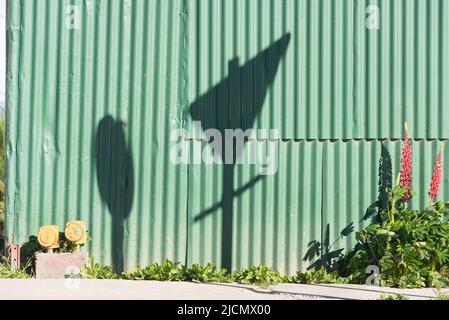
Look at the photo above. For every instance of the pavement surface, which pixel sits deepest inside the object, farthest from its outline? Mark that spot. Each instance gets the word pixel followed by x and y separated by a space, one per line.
pixel 73 289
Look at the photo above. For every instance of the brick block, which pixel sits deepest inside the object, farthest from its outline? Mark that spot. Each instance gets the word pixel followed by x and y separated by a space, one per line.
pixel 57 265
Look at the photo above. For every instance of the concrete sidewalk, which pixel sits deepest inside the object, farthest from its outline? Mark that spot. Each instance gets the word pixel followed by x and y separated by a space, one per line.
pixel 146 290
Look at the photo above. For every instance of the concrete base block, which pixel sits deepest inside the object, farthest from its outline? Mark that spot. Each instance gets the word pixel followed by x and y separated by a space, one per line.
pixel 58 265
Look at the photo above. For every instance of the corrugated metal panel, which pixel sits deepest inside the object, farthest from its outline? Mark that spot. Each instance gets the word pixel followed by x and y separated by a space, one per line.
pixel 90 112
pixel 337 79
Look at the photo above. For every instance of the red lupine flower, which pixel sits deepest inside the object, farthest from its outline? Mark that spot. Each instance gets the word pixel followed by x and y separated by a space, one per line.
pixel 436 177
pixel 406 165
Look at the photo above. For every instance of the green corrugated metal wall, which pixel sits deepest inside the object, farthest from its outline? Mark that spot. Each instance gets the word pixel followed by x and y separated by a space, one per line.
pixel 90 112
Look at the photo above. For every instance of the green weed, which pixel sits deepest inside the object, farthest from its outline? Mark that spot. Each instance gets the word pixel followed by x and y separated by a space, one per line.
pixel 261 276
pixel 93 270
pixel 393 297
pixel 7 271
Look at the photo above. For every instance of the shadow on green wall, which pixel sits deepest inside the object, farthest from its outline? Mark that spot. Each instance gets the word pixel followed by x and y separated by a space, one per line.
pixel 115 177
pixel 235 103
pixel 323 253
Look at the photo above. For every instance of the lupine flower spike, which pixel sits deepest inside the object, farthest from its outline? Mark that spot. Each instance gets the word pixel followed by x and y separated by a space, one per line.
pixel 436 177
pixel 406 166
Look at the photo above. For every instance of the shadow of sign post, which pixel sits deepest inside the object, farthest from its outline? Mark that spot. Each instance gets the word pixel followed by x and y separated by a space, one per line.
pixel 235 104
pixel 115 178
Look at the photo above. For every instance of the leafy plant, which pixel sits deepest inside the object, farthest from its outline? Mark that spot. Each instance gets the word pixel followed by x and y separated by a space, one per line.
pixel 412 251
pixel 208 273
pixel 65 245
pixel 318 277
pixel 393 297
pixel 93 270
pixel 7 271
pixel 262 276
pixel 172 271
pixel 167 271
